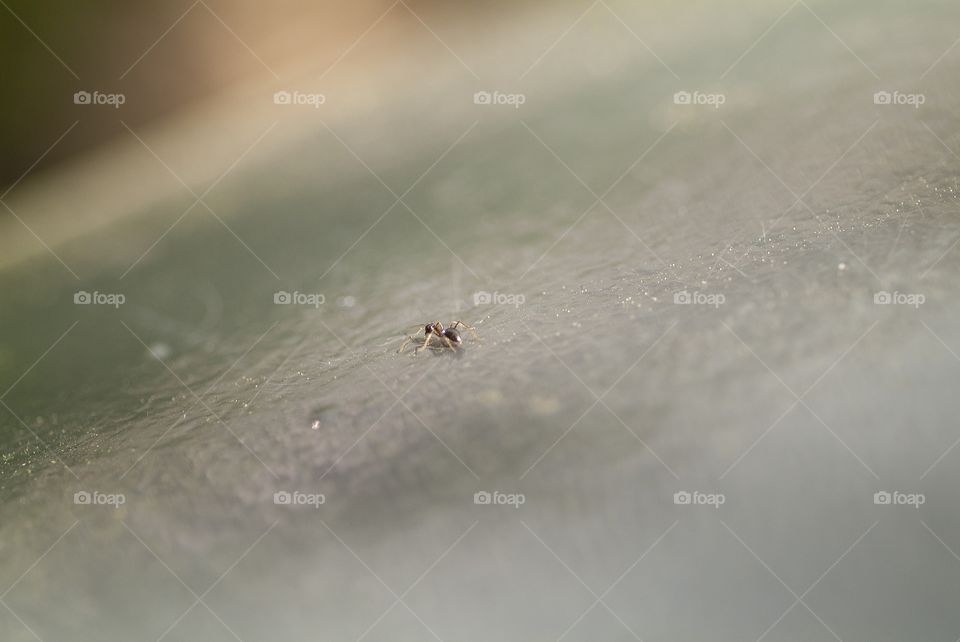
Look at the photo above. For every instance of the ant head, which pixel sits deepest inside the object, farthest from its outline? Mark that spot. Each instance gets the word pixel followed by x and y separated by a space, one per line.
pixel 433 328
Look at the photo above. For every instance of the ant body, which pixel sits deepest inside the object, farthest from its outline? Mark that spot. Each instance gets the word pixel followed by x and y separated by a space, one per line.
pixel 450 337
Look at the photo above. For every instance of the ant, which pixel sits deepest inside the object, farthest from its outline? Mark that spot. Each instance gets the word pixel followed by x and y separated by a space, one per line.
pixel 450 337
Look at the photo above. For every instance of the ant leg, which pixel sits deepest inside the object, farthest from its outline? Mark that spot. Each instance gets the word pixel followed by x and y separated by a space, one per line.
pixel 472 329
pixel 426 342
pixel 410 338
pixel 449 343
pixel 405 343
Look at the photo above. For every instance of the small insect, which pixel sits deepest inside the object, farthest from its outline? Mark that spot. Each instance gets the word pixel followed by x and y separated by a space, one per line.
pixel 449 337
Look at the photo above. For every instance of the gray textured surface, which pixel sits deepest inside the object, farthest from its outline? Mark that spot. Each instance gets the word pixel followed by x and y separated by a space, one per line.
pixel 701 411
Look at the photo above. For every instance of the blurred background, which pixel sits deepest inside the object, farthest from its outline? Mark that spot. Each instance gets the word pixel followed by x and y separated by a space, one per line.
pixel 709 252
pixel 168 56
